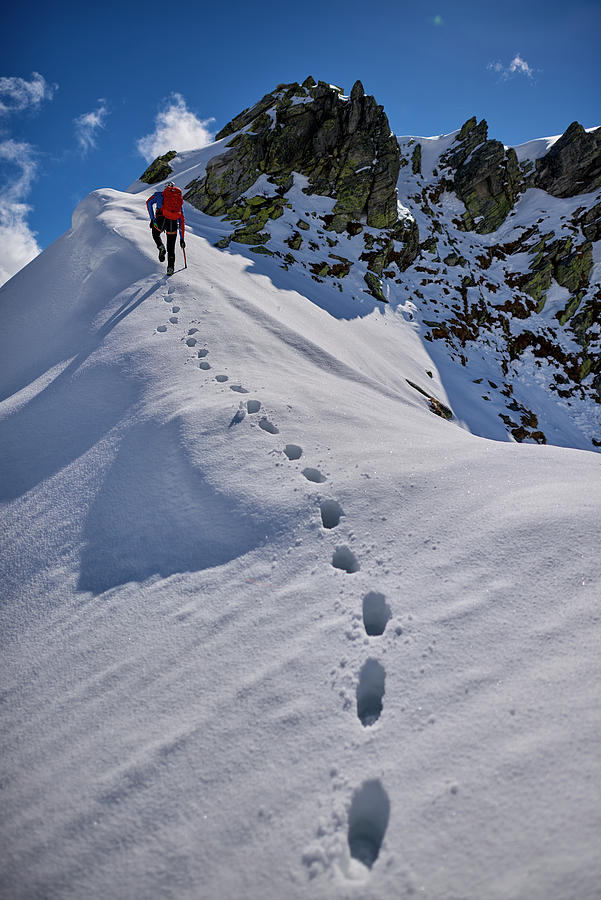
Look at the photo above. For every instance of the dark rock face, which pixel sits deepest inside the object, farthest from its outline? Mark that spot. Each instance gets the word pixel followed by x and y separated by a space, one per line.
pixel 590 223
pixel 343 146
pixel 487 177
pixel 572 165
pixel 159 169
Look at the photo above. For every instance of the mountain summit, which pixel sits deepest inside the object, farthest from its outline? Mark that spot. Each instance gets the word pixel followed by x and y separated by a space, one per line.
pixel 295 602
pixel 492 246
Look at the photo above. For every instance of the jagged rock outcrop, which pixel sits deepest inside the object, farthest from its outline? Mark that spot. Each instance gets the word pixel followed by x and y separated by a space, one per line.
pixel 159 169
pixel 590 222
pixel 487 177
pixel 572 165
pixel 342 145
pixel 569 264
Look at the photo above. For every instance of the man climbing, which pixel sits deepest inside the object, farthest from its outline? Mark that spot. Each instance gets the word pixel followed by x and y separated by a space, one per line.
pixel 169 215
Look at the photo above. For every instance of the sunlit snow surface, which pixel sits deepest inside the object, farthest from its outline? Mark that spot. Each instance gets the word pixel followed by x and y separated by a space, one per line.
pixel 270 628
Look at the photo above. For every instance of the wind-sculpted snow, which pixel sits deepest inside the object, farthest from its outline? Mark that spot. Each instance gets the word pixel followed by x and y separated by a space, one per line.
pixel 200 526
pixel 272 628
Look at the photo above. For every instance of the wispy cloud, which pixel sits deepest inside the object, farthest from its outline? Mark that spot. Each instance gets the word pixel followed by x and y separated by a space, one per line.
pixel 17 94
pixel 19 166
pixel 88 125
pixel 18 241
pixel 176 128
pixel 517 66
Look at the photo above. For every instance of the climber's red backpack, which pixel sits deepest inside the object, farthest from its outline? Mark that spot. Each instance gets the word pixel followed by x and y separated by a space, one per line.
pixel 172 202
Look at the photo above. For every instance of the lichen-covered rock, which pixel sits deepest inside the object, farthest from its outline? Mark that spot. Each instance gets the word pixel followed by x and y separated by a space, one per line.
pixel 487 178
pixel 570 266
pixel 471 135
pixel 590 222
pixel 159 169
pixel 416 160
pixel 343 146
pixel 488 182
pixel 375 286
pixel 572 165
pixel 295 241
pixel 572 269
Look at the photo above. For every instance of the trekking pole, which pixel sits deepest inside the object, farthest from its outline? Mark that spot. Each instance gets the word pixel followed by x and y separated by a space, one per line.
pixel 185 262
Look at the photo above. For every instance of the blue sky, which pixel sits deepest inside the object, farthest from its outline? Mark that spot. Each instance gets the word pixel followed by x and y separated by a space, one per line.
pixel 105 72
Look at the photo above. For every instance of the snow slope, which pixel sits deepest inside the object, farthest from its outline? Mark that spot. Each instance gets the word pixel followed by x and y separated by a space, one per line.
pixel 272 629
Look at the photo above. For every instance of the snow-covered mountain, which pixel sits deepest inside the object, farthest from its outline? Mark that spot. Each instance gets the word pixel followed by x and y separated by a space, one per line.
pixel 288 611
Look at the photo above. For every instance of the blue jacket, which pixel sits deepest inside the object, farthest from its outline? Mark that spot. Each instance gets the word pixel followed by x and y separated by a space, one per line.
pixel 156 198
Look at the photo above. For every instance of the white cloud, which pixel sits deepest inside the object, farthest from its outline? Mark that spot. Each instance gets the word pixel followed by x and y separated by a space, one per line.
pixel 176 128
pixel 16 94
pixel 517 66
pixel 18 242
pixel 88 124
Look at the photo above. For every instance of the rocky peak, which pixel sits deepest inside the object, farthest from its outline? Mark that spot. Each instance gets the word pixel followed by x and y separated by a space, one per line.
pixel 159 169
pixel 572 165
pixel 344 146
pixel 487 177
pixel 471 135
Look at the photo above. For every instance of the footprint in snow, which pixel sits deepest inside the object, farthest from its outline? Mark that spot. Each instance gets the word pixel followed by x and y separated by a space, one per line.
pixel 238 388
pixel 367 822
pixel 192 330
pixel 202 353
pixel 268 426
pixel 174 320
pixel 175 309
pixel 312 474
pixel 293 451
pixel 221 378
pixel 376 613
pixel 331 511
pixel 203 364
pixel 370 691
pixel 344 558
pixel 191 342
pixel 253 406
pixel 171 289
pixel 161 328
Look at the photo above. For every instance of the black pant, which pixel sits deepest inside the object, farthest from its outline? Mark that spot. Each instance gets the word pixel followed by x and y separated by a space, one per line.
pixel 169 226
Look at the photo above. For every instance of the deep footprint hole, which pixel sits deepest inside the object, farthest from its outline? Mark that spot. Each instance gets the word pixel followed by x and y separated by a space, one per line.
pixel 238 388
pixel 253 406
pixel 370 692
pixel 202 353
pixel 266 425
pixel 293 451
pixel 331 511
pixel 376 613
pixel 367 822
pixel 314 475
pixel 203 364
pixel 221 378
pixel 345 559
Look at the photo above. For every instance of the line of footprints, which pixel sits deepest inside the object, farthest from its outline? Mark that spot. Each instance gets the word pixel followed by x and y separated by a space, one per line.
pixel 370 807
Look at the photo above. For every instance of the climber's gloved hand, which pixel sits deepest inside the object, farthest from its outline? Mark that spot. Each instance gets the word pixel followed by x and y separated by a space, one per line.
pixel 182 243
